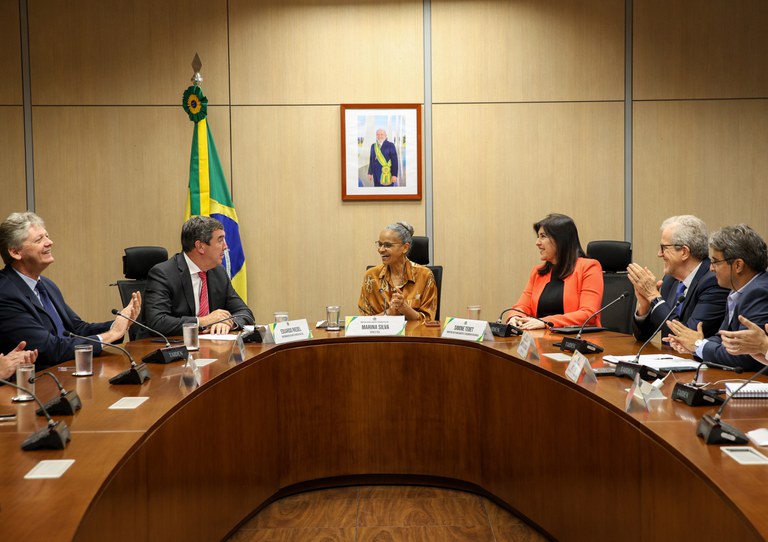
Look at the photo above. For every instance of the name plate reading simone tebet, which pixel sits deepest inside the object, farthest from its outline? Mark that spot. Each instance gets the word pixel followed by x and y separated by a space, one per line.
pixel 467 330
pixel 374 326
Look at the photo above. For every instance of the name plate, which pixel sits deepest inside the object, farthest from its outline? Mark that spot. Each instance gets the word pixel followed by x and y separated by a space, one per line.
pixel 290 331
pixel 579 369
pixel 527 349
pixel 374 326
pixel 467 330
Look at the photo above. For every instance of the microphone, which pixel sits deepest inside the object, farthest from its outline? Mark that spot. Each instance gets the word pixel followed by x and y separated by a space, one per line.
pixel 574 344
pixel 693 395
pixel 64 404
pixel 52 437
pixel 137 374
pixel 167 354
pixel 500 329
pixel 715 431
pixel 631 368
pixel 381 291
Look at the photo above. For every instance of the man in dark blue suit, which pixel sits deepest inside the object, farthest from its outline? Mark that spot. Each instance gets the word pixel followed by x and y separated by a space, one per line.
pixel 739 257
pixel 683 248
pixel 382 165
pixel 32 308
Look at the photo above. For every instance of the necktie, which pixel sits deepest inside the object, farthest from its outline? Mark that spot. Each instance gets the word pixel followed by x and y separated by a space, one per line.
pixel 49 308
pixel 203 295
pixel 680 291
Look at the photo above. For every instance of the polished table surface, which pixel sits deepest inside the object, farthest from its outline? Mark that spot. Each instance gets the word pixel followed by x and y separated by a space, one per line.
pixel 193 463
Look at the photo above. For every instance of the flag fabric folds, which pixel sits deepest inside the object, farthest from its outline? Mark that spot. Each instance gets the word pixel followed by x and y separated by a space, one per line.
pixel 209 196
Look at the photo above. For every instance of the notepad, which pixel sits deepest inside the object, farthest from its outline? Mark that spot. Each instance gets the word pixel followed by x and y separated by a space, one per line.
pixel 752 390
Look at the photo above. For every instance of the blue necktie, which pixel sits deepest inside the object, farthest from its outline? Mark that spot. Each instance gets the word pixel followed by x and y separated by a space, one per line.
pixel 680 291
pixel 45 299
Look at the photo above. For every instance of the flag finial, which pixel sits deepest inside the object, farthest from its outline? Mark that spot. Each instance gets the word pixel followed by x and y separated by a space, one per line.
pixel 196 66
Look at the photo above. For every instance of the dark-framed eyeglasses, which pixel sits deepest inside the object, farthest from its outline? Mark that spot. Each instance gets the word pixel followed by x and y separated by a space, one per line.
pixel 713 262
pixel 662 248
pixel 379 244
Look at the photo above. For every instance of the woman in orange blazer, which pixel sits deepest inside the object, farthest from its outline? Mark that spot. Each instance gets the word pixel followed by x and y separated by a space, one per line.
pixel 568 287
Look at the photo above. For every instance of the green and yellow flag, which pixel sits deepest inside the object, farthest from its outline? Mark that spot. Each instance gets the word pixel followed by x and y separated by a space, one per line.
pixel 208 189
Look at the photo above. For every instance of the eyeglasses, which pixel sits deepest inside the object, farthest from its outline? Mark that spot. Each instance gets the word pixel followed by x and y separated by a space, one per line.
pixel 713 262
pixel 379 244
pixel 662 248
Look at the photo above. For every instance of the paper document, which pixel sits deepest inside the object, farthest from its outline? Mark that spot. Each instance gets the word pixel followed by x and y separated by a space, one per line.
pixel 659 362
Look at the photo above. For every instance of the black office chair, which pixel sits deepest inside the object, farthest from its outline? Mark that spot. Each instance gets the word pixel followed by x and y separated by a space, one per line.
pixel 419 254
pixel 614 257
pixel 137 261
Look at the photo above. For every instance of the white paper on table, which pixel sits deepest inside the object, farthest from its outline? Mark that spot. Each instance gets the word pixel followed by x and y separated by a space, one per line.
pixel 558 356
pixel 759 436
pixel 212 337
pixel 128 403
pixel 49 468
pixel 657 361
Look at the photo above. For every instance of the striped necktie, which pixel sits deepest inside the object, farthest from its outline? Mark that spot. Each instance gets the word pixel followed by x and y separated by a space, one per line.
pixel 204 310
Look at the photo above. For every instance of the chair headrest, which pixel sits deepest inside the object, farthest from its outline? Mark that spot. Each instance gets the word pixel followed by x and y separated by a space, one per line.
pixel 419 250
pixel 137 261
pixel 612 255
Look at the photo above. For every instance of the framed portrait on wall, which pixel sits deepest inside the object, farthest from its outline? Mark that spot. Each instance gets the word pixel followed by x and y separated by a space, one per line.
pixel 380 152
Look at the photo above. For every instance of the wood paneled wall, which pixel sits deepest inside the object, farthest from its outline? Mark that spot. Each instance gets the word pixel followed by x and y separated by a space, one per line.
pixel 527 120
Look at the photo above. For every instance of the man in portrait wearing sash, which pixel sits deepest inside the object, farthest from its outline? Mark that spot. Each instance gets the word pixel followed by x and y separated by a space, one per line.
pixel 382 167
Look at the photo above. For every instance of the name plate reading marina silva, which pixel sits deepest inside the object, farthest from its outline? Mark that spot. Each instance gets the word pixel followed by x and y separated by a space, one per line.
pixel 374 326
pixel 467 330
pixel 290 331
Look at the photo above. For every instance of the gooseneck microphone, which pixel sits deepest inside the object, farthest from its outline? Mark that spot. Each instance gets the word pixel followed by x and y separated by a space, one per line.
pixel 630 368
pixel 137 374
pixel 715 431
pixel 52 437
pixel 577 344
pixel 167 354
pixel 64 404
pixel 500 329
pixel 694 395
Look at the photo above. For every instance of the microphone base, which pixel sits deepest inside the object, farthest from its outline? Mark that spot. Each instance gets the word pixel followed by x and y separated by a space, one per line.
pixel 134 375
pixel 626 369
pixel 169 354
pixel 504 330
pixel 63 405
pixel 714 431
pixel 52 437
pixel 693 396
pixel 570 344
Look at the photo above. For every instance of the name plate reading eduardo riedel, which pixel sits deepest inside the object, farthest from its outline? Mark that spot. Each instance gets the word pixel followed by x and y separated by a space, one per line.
pixel 290 331
pixel 374 326
pixel 467 330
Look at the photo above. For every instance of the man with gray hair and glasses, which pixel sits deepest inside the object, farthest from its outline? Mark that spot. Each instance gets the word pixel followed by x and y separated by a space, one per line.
pixel 32 308
pixel 683 248
pixel 738 256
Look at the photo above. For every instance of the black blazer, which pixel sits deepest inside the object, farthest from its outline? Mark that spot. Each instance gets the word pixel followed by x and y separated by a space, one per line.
pixel 22 318
pixel 705 302
pixel 169 300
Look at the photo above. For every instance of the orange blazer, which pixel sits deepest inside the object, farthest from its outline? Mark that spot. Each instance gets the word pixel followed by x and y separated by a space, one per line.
pixel 582 294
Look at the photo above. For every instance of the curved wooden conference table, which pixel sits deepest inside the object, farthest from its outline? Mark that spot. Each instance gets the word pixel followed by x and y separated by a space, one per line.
pixel 194 464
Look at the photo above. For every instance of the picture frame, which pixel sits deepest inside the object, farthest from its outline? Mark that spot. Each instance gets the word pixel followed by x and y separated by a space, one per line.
pixel 390 170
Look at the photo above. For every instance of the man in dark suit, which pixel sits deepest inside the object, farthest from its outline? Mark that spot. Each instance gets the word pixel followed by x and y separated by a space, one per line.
pixel 382 165
pixel 32 308
pixel 739 257
pixel 193 286
pixel 683 248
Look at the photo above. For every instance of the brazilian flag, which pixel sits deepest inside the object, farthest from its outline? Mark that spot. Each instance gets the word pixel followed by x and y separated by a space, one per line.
pixel 208 189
